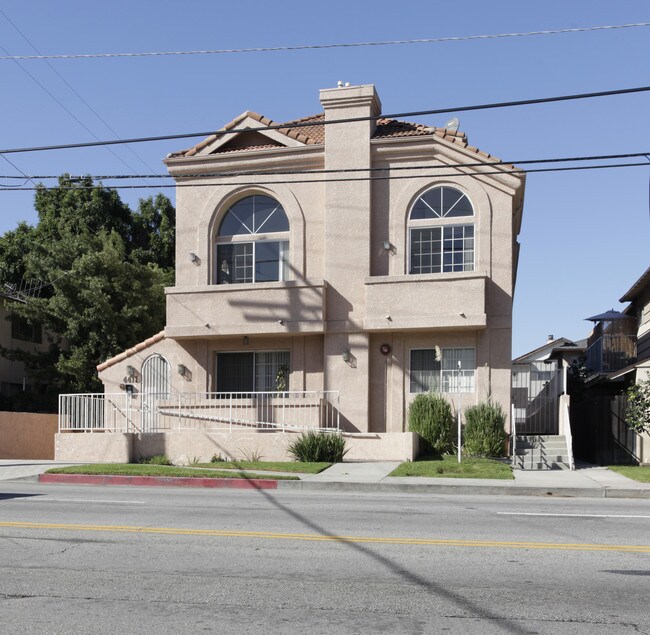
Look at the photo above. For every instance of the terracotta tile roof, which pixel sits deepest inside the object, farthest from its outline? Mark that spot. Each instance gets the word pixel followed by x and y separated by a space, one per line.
pixel 131 351
pixel 314 134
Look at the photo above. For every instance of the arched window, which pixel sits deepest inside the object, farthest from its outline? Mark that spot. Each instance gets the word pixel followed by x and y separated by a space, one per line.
pixel 438 241
pixel 252 244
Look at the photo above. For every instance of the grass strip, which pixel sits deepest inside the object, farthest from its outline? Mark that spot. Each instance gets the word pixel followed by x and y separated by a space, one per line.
pixel 448 467
pixel 639 473
pixel 269 466
pixel 130 469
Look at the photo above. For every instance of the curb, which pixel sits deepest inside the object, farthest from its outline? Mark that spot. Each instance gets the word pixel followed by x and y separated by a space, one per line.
pixel 464 490
pixel 348 487
pixel 159 481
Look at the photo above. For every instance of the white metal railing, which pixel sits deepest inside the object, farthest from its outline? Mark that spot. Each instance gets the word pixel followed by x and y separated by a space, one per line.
pixel 513 434
pixel 568 436
pixel 235 411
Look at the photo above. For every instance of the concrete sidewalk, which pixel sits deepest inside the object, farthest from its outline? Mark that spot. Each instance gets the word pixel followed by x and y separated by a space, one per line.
pixel 586 481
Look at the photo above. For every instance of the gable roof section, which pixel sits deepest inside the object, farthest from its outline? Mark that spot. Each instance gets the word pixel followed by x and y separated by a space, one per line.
pixel 131 351
pixel 637 287
pixel 311 131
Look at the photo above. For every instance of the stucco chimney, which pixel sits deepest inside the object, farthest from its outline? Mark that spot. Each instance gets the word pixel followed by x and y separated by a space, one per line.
pixel 348 102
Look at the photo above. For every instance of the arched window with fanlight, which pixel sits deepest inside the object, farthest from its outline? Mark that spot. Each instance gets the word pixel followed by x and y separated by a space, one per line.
pixel 441 232
pixel 252 242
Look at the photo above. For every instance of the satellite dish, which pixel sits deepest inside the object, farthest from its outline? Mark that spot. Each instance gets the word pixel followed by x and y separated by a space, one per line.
pixel 453 124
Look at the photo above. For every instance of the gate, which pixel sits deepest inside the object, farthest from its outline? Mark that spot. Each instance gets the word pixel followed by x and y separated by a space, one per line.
pixel 155 386
pixel 536 389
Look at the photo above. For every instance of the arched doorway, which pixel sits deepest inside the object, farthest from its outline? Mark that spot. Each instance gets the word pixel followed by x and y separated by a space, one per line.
pixel 156 385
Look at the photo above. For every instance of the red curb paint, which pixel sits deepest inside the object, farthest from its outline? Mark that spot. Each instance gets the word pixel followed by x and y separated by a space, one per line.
pixel 159 481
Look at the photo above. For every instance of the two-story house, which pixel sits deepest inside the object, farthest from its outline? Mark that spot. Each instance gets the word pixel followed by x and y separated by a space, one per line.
pixel 346 255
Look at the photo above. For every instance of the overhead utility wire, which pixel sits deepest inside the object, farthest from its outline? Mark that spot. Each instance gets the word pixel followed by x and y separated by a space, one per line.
pixel 100 177
pixel 326 180
pixel 76 93
pixel 305 124
pixel 307 47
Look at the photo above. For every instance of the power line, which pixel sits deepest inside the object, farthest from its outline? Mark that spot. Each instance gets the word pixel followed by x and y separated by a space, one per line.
pixel 415 113
pixel 100 177
pixel 308 47
pixel 327 180
pixel 61 104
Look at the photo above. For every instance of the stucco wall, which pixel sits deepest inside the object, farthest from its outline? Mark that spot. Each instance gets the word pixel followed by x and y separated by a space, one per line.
pixel 27 435
pixel 188 446
pixel 337 234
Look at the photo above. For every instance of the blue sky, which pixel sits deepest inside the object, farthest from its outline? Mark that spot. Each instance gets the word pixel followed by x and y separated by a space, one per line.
pixel 585 235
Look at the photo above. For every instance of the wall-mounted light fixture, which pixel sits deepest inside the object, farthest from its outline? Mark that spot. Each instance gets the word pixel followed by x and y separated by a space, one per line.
pixel 346 355
pixel 130 372
pixel 182 370
pixel 195 259
pixel 388 245
pixel 244 340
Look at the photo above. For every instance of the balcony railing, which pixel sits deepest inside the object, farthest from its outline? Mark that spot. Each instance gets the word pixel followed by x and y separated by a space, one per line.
pixel 231 412
pixel 610 353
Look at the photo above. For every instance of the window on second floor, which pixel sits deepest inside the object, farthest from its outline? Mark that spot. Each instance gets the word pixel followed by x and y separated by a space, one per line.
pixel 440 237
pixel 252 244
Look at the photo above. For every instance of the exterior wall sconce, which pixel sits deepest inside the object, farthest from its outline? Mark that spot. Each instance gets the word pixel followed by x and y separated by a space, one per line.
pixel 195 259
pixel 130 372
pixel 385 349
pixel 345 355
pixel 244 340
pixel 387 245
pixel 182 370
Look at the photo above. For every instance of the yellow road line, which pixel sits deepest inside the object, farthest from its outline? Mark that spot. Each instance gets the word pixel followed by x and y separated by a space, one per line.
pixel 326 538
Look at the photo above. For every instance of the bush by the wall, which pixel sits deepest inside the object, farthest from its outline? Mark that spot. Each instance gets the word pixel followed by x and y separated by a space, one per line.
pixel 319 447
pixel 430 416
pixel 484 433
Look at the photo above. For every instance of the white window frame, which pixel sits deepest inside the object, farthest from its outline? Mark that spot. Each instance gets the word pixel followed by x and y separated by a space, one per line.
pixel 280 237
pixel 448 378
pixel 442 223
pixel 253 238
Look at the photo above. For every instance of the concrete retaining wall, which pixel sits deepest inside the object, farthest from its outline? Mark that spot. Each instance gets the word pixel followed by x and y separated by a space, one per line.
pixel 27 435
pixel 188 446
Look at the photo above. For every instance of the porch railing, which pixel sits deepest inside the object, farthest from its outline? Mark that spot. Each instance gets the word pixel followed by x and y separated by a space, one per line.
pixel 232 412
pixel 611 352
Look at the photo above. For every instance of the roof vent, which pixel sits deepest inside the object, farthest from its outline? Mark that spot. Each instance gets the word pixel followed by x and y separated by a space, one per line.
pixel 550 338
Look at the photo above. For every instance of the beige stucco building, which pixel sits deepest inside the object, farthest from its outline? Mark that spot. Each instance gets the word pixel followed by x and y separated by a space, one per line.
pixel 340 252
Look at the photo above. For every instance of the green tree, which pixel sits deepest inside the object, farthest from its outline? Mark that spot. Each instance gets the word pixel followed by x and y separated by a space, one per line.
pixel 637 415
pixel 103 270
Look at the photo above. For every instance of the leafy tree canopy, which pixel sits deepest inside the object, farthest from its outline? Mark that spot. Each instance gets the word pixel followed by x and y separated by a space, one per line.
pixel 102 269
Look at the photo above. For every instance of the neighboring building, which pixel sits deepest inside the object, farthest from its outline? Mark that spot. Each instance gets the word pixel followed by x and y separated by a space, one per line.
pixel 344 280
pixel 539 379
pixel 618 355
pixel 17 334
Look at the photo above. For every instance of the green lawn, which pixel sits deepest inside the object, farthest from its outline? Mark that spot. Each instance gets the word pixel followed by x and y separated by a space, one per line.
pixel 269 466
pixel 448 467
pixel 636 472
pixel 131 469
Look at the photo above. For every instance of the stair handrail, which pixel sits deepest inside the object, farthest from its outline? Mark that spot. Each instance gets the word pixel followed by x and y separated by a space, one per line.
pixel 568 436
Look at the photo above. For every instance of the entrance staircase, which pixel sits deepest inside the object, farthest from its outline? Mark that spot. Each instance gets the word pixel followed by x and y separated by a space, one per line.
pixel 541 452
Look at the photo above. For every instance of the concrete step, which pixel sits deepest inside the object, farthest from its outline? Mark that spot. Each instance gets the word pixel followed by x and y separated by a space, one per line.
pixel 541 452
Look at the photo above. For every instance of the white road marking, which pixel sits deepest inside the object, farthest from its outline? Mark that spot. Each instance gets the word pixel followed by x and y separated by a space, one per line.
pixel 75 500
pixel 570 515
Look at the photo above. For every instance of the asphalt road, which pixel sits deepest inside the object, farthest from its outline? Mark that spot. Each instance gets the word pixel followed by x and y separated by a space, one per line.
pixel 149 560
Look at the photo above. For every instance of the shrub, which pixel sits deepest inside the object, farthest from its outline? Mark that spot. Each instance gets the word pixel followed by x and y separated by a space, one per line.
pixel 484 433
pixel 318 447
pixel 156 459
pixel 430 416
pixel 637 415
